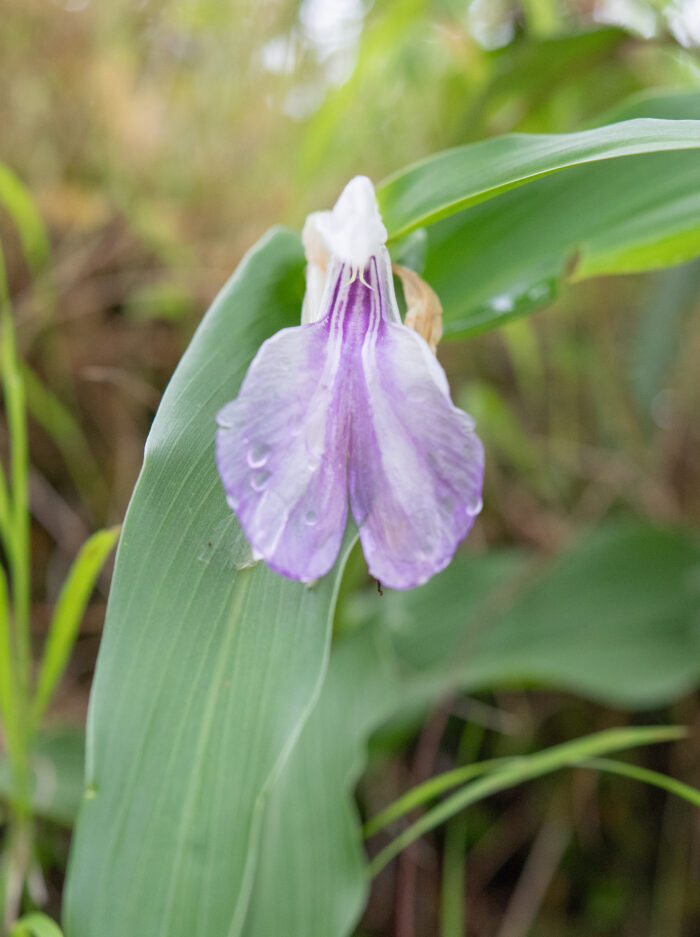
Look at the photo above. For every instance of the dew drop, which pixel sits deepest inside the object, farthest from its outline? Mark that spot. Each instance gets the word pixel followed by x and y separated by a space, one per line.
pixel 475 506
pixel 310 518
pixel 258 479
pixel 503 303
pixel 258 454
pixel 232 502
pixel 538 291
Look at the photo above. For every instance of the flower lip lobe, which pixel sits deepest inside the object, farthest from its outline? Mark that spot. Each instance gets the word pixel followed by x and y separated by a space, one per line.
pixel 352 405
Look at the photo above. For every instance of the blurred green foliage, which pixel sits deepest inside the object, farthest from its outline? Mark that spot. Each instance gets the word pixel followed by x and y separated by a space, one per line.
pixel 159 139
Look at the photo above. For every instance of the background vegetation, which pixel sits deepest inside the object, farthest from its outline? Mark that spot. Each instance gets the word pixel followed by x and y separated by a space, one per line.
pixel 159 139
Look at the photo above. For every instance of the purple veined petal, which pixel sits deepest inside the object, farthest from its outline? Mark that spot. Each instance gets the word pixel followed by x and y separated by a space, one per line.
pixel 416 465
pixel 351 401
pixel 281 451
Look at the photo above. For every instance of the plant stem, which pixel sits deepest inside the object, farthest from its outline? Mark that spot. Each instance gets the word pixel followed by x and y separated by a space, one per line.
pixel 15 626
pixel 20 850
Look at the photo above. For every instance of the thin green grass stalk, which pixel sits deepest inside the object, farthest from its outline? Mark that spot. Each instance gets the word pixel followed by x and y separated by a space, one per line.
pixel 68 613
pixel 527 768
pixel 18 534
pixel 66 432
pixel 647 776
pixel 453 873
pixel 429 790
pixel 15 408
pixel 8 693
pixel 5 519
pixel 4 509
pixel 452 919
pixel 16 640
pixel 19 853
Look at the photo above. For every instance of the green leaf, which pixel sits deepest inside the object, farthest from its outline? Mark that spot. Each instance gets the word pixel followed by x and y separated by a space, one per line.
pixel 507 257
pixel 614 618
pixel 660 330
pixel 311 879
pixel 19 205
pixel 36 925
pixel 70 607
pixel 207 671
pixel 666 104
pixel 455 179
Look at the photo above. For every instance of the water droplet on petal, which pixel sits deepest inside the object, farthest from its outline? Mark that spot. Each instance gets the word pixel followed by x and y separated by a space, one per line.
pixel 310 518
pixel 258 454
pixel 232 502
pixel 475 505
pixel 258 479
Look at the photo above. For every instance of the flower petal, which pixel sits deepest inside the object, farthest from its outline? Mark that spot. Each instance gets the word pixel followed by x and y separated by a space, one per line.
pixel 415 466
pixel 281 451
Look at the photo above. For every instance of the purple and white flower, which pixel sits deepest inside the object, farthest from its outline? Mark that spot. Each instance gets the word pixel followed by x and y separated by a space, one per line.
pixel 352 405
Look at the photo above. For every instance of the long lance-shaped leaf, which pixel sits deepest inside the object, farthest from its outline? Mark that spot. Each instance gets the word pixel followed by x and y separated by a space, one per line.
pixel 612 619
pixel 207 671
pixel 455 179
pixel 68 613
pixel 507 256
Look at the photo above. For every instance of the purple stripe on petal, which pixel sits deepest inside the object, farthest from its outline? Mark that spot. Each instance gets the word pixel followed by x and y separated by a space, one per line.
pixel 281 451
pixel 416 465
pixel 353 401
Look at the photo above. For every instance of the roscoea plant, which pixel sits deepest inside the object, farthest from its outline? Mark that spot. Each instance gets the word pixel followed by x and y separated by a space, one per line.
pixel 351 402
pixel 232 705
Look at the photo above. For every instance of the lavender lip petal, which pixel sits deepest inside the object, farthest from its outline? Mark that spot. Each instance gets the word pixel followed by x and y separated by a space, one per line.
pixel 351 403
pixel 416 466
pixel 280 451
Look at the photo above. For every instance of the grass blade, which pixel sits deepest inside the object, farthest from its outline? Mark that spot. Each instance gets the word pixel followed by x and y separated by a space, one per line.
pixel 430 789
pixel 68 614
pixel 7 693
pixel 526 769
pixel 36 925
pixel 647 776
